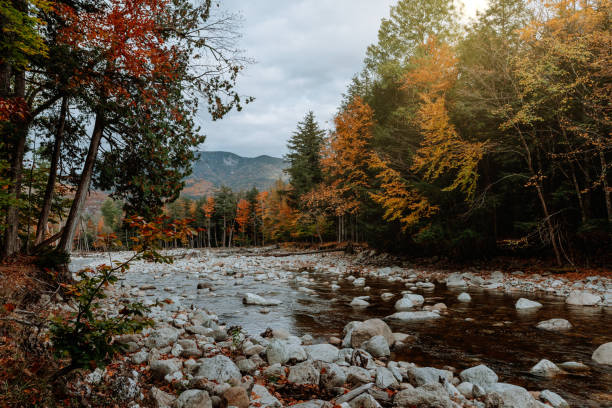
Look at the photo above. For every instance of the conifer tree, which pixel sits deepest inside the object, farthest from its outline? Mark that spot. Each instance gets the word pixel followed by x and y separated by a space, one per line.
pixel 304 156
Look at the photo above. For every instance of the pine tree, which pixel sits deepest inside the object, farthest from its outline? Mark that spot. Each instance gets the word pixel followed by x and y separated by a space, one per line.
pixel 304 156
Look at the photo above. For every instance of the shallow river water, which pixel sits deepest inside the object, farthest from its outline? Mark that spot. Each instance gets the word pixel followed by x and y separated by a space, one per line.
pixel 499 336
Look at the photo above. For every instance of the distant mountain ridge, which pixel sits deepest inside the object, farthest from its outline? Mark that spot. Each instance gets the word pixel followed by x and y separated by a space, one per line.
pixel 215 169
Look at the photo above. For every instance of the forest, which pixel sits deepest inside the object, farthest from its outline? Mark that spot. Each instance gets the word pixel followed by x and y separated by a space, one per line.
pixel 466 141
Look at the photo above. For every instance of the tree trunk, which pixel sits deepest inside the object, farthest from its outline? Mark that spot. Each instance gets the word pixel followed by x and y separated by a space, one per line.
pixel 224 231
pixel 48 199
pixel 578 194
pixel 65 243
pixel 11 238
pixel 606 188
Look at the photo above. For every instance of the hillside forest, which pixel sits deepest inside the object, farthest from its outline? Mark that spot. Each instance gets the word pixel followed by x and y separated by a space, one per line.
pixel 467 140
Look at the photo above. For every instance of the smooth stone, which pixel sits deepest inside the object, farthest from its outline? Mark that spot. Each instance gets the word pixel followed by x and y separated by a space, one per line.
pixel 193 399
pixel 603 354
pixel 509 396
pixel 480 375
pixel 545 368
pixel 464 297
pixel 377 346
pixel 357 302
pixel 218 368
pixel 413 316
pixel 554 325
pixel 430 395
pixel 553 399
pixel 525 304
pixel 360 332
pixel 253 299
pixel 261 396
pixel 574 367
pixel 304 373
pixel 420 376
pixel 322 352
pixel 386 379
pixel 582 298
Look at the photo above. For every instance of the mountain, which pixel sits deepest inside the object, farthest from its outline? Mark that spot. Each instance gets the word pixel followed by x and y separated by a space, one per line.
pixel 215 169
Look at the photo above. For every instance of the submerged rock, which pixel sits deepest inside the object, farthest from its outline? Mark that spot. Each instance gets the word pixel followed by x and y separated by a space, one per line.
pixel 554 325
pixel 252 299
pixel 413 316
pixel 464 297
pixel 553 399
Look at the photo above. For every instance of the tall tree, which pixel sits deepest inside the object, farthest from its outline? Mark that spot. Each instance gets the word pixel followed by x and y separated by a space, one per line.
pixel 304 156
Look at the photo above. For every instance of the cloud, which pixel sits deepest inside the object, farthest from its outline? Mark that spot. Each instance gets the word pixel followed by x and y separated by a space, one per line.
pixel 306 52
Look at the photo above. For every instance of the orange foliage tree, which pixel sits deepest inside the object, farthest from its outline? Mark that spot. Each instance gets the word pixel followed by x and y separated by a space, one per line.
pixel 442 149
pixel 243 216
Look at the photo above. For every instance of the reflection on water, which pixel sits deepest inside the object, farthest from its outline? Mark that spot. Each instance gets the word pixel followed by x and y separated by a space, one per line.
pixel 499 336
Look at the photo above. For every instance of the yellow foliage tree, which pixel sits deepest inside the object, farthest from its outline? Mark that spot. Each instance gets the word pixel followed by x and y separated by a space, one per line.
pixel 400 201
pixel 442 148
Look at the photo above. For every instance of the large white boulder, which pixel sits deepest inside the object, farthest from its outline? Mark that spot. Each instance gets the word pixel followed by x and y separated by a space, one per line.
pixel 582 298
pixel 322 352
pixel 218 368
pixel 603 354
pixel 480 375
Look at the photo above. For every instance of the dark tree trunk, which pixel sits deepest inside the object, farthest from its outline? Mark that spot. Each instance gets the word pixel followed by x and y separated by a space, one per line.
pixel 72 221
pixel 48 199
pixel 17 151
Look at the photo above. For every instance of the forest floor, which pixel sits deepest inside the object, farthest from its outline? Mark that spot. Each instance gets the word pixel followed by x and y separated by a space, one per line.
pixel 197 355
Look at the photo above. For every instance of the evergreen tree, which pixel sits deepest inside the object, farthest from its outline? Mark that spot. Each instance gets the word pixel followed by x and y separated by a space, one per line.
pixel 304 156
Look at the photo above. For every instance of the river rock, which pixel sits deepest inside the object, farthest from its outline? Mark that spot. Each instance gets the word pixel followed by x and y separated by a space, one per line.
pixel 603 354
pixel 431 395
pixel 263 397
pixel 545 368
pixel 465 388
pixel 413 316
pixel 252 299
pixel 161 399
pixel 162 337
pixel 161 368
pixel 377 346
pixel 358 375
pixel 387 296
pixel 304 373
pixel 554 325
pixel 420 376
pixel 218 368
pixel 322 352
pixel 508 395
pixel 404 304
pixel 417 300
pixel 313 404
pixel 553 399
pixel 464 297
pixel 235 397
pixel 526 304
pixel 332 376
pixel 360 332
pixel 480 375
pixel 386 379
pixel 582 298
pixel 455 280
pixel 364 400
pixel 359 302
pixel 283 351
pixel 359 282
pixel 193 399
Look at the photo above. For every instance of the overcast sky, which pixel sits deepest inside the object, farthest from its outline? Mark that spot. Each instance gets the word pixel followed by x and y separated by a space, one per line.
pixel 306 53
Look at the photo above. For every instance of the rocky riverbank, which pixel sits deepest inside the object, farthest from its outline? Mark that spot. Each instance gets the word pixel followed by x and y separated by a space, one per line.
pixel 190 359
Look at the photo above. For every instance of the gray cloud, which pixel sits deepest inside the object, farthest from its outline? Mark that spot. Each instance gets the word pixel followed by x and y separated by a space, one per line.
pixel 306 52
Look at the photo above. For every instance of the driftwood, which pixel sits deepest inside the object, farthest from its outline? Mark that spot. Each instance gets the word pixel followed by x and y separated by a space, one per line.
pixel 284 254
